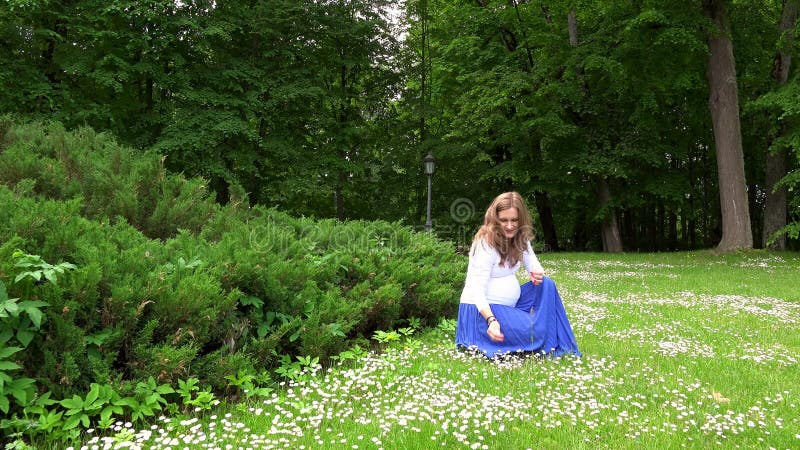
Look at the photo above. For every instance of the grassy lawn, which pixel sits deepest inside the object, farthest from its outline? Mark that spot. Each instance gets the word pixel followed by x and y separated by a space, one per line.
pixel 680 350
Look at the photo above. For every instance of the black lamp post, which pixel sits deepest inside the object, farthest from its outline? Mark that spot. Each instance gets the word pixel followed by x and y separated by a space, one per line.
pixel 430 166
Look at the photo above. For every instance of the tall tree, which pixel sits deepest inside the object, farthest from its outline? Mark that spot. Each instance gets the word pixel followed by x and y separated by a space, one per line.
pixel 775 169
pixel 542 199
pixel 724 106
pixel 355 71
pixel 610 235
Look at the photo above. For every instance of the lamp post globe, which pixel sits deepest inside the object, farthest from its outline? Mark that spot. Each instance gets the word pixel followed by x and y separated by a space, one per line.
pixel 430 164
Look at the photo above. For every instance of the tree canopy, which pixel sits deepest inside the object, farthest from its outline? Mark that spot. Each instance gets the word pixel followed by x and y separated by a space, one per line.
pixel 601 113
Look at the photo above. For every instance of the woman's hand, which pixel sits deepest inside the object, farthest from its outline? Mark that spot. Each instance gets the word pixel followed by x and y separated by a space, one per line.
pixel 536 277
pixel 494 332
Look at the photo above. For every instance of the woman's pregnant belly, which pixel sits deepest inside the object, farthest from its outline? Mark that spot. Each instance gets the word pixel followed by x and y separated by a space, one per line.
pixel 503 290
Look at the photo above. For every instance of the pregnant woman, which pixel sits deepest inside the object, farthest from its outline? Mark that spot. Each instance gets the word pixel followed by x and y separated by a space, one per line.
pixel 496 314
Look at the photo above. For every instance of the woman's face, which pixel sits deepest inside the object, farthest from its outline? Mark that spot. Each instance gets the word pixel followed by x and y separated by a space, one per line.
pixel 509 221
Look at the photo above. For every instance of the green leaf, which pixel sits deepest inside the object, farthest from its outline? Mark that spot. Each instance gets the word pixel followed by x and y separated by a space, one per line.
pixel 127 401
pixel 336 330
pixel 4 403
pixel 48 419
pixel 24 264
pixel 74 404
pixel 50 274
pixel 20 394
pixel 11 306
pixel 27 304
pixel 165 389
pixel 23 383
pixel 45 400
pixel 5 352
pixel 188 386
pixel 93 394
pixel 252 301
pixel 72 422
pixel 36 275
pixel 36 316
pixel 262 330
pixel 25 337
pixel 8 365
pixel 99 338
pixel 106 413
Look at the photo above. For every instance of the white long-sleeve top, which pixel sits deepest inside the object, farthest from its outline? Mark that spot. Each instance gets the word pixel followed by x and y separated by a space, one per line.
pixel 488 281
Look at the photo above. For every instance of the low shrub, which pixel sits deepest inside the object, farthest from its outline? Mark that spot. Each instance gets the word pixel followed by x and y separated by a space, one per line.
pixel 113 181
pixel 169 285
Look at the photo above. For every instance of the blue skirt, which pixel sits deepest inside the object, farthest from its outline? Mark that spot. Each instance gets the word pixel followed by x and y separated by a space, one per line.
pixel 537 324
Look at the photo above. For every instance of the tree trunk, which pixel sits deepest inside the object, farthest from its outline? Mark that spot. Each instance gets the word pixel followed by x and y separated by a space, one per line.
pixel 149 101
pixel 572 24
pixel 543 204
pixel 672 231
pixel 690 229
pixel 724 105
pixel 652 224
pixel 662 226
pixel 629 237
pixel 775 202
pixel 775 167
pixel 579 231
pixel 624 229
pixel 338 198
pixel 423 75
pixel 546 218
pixel 343 116
pixel 612 242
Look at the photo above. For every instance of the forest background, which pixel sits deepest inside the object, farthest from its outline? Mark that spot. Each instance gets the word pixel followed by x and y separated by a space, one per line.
pixel 619 120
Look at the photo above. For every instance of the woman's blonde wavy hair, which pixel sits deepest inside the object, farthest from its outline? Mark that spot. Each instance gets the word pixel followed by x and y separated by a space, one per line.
pixel 491 231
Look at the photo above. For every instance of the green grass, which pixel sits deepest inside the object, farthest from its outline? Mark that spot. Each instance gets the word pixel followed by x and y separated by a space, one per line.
pixel 690 350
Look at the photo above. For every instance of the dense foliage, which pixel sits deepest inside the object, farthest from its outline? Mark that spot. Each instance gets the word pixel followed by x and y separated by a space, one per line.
pixel 157 280
pixel 606 120
pixel 597 111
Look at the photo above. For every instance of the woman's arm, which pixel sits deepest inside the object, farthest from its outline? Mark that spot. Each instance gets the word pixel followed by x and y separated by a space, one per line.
pixel 532 265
